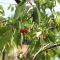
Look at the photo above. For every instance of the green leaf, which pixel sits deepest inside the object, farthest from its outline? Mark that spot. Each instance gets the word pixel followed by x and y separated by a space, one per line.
pixel 20 12
pixel 51 36
pixel 1 10
pixel 16 37
pixel 42 1
pixel 5 36
pixel 3 30
pixel 58 20
pixel 11 8
pixel 58 1
pixel 36 15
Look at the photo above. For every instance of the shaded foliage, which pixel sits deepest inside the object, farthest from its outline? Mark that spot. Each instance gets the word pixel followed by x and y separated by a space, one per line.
pixel 33 29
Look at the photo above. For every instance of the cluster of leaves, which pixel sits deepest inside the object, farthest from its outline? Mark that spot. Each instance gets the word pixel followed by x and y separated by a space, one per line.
pixel 42 29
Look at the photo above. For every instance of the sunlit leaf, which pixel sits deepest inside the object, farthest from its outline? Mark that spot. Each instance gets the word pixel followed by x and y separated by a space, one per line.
pixel 1 10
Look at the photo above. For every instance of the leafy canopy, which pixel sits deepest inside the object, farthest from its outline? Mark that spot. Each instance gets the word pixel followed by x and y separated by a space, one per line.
pixel 43 29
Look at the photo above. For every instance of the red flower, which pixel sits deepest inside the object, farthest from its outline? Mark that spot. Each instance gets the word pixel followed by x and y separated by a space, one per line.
pixel 24 30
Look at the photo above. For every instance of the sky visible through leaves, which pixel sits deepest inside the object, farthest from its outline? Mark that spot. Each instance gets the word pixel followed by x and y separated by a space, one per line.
pixel 8 13
pixel 5 4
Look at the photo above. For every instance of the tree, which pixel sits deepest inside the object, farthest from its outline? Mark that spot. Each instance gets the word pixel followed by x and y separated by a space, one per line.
pixel 35 33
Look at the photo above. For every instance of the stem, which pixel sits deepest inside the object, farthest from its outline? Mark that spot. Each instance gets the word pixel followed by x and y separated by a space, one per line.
pixel 3 54
pixel 21 38
pixel 45 55
pixel 46 47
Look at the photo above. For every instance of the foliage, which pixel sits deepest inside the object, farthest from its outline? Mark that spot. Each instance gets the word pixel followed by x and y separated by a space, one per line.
pixel 42 29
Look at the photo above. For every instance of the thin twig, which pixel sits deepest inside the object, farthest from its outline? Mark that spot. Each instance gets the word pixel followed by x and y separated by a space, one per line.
pixel 46 47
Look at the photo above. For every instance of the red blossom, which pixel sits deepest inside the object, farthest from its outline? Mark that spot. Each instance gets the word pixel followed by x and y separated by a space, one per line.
pixel 24 30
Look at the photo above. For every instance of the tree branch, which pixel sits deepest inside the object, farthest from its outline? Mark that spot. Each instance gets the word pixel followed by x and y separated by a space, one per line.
pixel 46 47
